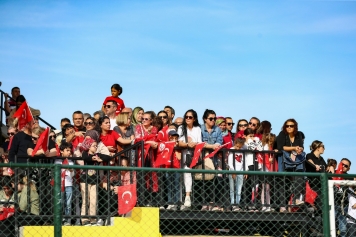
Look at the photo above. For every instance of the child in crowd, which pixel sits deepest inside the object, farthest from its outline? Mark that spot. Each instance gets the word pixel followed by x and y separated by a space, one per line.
pixel 66 151
pixel 252 143
pixel 269 164
pixel 235 161
pixel 116 90
pixel 331 166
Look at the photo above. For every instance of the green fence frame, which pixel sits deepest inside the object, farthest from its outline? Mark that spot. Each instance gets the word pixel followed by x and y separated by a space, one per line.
pixel 57 184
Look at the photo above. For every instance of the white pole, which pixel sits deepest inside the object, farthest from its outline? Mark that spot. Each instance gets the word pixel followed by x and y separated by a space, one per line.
pixel 331 184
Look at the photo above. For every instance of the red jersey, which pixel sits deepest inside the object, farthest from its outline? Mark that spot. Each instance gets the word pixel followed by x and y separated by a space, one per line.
pixel 110 138
pixel 120 103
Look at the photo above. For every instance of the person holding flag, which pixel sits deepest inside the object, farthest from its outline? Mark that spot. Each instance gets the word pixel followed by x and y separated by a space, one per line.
pixel 189 136
pixel 24 122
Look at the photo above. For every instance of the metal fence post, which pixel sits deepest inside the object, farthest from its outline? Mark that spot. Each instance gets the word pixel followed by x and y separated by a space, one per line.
pixel 326 207
pixel 57 202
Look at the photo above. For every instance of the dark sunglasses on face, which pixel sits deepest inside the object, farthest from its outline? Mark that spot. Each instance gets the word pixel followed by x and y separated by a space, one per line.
pixel 212 119
pixel 10 133
pixel 88 123
pixel 188 117
pixel 229 124
pixel 145 119
pixel 52 136
pixel 345 165
pixel 289 126
pixel 34 138
pixel 252 124
pixel 243 125
pixel 107 106
pixel 163 117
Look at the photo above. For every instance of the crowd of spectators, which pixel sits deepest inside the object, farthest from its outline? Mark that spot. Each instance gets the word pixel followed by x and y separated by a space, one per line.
pixel 95 138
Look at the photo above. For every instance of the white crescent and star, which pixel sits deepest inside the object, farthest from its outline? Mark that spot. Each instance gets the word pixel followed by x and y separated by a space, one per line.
pixel 124 193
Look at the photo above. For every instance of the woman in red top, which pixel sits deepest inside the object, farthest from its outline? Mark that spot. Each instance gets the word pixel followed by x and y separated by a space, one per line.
pixel 116 90
pixel 110 137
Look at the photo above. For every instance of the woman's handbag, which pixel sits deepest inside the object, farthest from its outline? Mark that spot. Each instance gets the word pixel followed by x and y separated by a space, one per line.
pixel 208 165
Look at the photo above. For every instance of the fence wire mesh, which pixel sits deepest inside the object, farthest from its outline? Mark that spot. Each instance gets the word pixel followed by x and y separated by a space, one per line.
pixel 177 202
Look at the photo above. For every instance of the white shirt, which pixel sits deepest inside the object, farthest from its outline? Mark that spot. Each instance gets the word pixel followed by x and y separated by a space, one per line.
pixel 351 211
pixel 112 123
pixel 68 180
pixel 233 158
pixel 193 135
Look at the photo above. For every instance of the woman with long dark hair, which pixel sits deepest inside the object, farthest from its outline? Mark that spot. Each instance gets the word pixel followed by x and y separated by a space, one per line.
pixel 290 140
pixel 189 136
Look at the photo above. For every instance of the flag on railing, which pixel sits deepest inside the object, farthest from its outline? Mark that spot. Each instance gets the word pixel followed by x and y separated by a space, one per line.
pixel 42 142
pixel 197 151
pixel 216 151
pixel 164 153
pixel 23 115
pixel 146 147
pixel 310 194
pixel 127 198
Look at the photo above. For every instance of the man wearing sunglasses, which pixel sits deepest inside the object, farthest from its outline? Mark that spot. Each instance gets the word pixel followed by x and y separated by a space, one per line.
pixel 344 165
pixel 110 111
pixel 170 111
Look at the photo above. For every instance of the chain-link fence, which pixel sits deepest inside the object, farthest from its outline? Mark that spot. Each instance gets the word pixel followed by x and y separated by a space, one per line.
pixel 73 200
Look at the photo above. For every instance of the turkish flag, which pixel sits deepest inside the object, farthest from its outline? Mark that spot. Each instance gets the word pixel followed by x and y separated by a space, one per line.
pixel 338 171
pixel 197 151
pixel 164 153
pixel 146 147
pixel 42 142
pixel 23 114
pixel 310 194
pixel 127 198
pixel 216 150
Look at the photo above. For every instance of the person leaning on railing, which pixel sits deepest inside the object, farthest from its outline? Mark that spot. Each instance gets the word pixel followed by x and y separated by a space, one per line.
pixel 291 141
pixel 190 129
pixel 90 178
pixel 212 135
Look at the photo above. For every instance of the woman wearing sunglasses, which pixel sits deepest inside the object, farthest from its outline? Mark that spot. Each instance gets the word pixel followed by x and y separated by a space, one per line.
pixel 316 163
pixel 242 124
pixel 91 124
pixel 291 141
pixel 189 136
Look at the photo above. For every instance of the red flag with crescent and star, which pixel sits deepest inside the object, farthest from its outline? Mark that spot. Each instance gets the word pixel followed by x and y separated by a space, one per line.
pixel 24 115
pixel 164 153
pixel 146 146
pixel 216 150
pixel 42 142
pixel 197 151
pixel 127 198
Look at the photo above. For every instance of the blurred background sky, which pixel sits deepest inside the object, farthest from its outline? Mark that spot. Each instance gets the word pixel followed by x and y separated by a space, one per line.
pixel 270 59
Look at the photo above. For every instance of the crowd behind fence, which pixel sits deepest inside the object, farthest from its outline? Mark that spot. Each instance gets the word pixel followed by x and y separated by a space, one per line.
pixel 248 198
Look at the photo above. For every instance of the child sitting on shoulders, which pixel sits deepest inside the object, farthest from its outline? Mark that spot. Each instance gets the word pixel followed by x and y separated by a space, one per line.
pixel 116 90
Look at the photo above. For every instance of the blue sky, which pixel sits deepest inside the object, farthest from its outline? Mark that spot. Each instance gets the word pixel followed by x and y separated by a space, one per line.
pixel 270 59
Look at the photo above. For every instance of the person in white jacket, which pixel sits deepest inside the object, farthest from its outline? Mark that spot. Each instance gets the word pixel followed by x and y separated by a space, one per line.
pixel 235 161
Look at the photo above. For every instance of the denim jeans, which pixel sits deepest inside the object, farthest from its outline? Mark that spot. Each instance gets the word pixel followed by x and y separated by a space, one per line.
pixel 235 188
pixel 172 185
pixel 67 200
pixel 342 220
